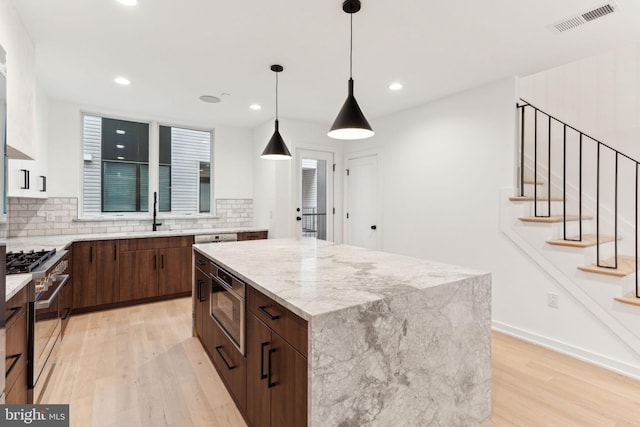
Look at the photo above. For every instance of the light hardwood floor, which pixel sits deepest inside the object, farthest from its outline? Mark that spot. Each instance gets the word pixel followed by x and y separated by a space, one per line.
pixel 139 366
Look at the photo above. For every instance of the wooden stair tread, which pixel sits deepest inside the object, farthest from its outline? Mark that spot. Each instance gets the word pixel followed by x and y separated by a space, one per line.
pixel 588 240
pixel 552 218
pixel 530 199
pixel 626 266
pixel 630 298
pixel 530 181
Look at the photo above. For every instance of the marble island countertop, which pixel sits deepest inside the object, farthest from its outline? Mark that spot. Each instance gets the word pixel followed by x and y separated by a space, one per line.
pixel 392 340
pixel 313 277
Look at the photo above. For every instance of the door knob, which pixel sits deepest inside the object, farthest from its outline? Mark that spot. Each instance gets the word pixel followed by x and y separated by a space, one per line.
pixel 373 227
pixel 298 218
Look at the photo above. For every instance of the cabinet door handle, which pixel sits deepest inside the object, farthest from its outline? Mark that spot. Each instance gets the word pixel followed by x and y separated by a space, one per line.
pixel 162 261
pixel 15 358
pixel 44 183
pixel 154 261
pixel 269 383
pixel 14 313
pixel 263 308
pixel 115 252
pixel 25 173
pixel 200 282
pixel 229 367
pixel 90 253
pixel 262 347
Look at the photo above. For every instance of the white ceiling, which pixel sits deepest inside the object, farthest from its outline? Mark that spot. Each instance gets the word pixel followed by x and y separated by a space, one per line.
pixel 173 51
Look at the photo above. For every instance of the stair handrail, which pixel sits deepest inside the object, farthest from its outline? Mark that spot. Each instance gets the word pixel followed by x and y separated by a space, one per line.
pixel 600 144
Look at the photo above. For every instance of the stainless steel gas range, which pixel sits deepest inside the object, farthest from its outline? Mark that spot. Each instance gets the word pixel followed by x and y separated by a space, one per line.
pixel 50 273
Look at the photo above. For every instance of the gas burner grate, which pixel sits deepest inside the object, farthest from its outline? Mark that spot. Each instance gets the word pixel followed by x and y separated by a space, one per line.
pixel 26 262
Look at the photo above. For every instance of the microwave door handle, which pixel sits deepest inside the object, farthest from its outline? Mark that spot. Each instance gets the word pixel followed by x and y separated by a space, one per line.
pixel 47 303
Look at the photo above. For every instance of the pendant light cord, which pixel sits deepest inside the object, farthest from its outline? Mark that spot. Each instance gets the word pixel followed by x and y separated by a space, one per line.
pixel 351 47
pixel 276 96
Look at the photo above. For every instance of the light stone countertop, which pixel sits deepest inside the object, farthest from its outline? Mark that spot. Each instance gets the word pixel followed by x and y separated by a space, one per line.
pixel 313 277
pixel 15 282
pixel 63 241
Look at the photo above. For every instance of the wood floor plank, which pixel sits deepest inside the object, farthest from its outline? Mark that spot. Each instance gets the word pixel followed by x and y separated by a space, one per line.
pixel 140 367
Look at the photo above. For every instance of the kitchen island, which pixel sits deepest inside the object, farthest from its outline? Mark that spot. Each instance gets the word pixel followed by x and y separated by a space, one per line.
pixel 392 340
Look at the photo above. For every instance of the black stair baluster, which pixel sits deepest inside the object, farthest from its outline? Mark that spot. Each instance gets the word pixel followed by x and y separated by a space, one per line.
pixel 615 220
pixel 535 162
pixel 522 119
pixel 564 183
pixel 549 173
pixel 580 193
pixel 598 207
pixel 637 287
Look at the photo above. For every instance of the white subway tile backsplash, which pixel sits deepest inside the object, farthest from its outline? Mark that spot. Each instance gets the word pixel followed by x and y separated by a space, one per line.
pixel 28 217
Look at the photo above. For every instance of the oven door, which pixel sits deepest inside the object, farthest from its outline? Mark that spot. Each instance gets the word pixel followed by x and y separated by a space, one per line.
pixel 227 309
pixel 46 329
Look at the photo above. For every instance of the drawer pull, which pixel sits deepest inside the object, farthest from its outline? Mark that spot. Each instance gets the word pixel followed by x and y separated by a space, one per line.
pixel 229 367
pixel 200 261
pixel 269 383
pixel 15 311
pixel 200 283
pixel 15 358
pixel 263 308
pixel 262 346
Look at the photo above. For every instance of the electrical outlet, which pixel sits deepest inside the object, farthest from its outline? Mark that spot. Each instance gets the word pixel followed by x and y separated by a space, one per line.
pixel 552 300
pixel 51 216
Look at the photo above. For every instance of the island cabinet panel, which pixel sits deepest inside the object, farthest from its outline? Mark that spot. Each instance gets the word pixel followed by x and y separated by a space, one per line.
pixel 276 370
pixel 230 363
pixel 288 325
pixel 84 274
pixel 201 301
pixel 139 273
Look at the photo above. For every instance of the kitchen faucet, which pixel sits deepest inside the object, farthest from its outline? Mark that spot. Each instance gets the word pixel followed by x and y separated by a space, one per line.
pixel 155 210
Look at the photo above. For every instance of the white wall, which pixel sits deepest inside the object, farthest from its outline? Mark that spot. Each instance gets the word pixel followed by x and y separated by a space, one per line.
pixel 21 82
pixel 232 152
pixel 274 180
pixel 444 164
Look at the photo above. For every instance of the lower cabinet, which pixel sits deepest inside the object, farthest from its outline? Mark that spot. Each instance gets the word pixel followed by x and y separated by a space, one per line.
pixel 230 364
pixel 16 348
pixel 202 289
pixel 276 379
pixel 139 270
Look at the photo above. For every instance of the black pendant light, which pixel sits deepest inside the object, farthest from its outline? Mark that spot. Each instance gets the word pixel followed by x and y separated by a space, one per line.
pixel 351 122
pixel 276 149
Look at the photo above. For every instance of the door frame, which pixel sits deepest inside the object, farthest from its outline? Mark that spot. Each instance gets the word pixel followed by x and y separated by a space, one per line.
pixel 379 215
pixel 331 193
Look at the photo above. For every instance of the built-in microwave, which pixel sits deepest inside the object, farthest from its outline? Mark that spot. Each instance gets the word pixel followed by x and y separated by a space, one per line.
pixel 228 305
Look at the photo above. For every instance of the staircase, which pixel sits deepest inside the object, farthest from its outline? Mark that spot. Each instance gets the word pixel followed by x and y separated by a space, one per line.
pixel 575 212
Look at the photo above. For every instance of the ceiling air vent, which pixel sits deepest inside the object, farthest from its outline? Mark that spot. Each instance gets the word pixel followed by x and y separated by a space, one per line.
pixel 583 18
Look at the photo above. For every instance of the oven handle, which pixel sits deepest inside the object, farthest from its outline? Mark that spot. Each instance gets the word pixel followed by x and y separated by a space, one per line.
pixel 227 287
pixel 45 304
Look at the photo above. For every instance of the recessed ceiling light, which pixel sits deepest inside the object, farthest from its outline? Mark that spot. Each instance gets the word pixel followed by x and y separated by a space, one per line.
pixel 120 146
pixel 395 86
pixel 255 107
pixel 120 132
pixel 128 2
pixel 120 158
pixel 122 81
pixel 210 98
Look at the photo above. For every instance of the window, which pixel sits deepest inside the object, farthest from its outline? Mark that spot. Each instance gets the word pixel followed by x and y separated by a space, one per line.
pixel 118 175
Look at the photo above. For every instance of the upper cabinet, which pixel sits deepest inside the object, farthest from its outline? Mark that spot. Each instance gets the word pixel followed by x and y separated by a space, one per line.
pixel 28 178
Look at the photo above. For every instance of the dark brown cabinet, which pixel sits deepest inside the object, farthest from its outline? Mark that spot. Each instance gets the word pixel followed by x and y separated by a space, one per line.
pixel 95 273
pixel 156 266
pixel 202 288
pixel 16 347
pixel 276 371
pixel 252 235
pixel 229 362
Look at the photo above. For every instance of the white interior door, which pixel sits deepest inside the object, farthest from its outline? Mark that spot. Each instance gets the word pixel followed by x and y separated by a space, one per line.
pixel 314 194
pixel 362 202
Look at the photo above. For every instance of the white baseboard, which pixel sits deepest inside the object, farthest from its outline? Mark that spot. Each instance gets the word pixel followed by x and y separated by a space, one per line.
pixel 575 352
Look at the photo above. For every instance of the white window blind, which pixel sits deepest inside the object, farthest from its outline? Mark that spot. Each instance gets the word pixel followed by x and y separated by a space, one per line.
pixel 91 187
pixel 188 148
